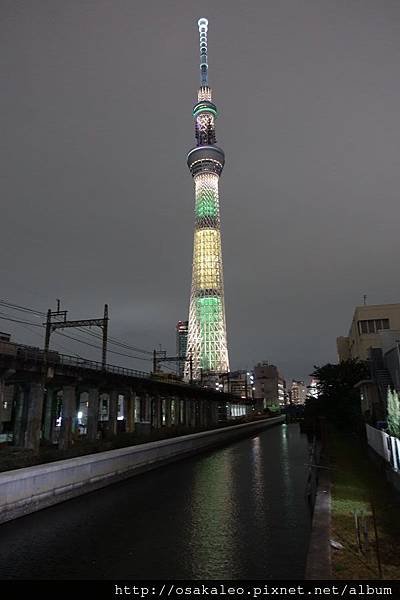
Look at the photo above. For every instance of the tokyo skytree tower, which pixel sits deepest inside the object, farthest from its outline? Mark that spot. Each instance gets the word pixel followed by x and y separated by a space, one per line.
pixel 207 344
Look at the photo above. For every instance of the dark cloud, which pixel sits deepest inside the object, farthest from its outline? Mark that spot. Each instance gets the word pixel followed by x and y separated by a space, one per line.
pixel 98 202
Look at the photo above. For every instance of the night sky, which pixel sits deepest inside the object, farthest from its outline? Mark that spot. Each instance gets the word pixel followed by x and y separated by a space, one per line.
pixel 98 203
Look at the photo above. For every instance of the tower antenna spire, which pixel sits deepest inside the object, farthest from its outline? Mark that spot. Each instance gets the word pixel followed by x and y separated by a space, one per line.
pixel 203 28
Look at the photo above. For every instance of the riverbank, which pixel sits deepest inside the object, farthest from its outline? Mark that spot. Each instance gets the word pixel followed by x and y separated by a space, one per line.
pixel 14 457
pixel 319 560
pixel 362 499
pixel 237 512
pixel 33 488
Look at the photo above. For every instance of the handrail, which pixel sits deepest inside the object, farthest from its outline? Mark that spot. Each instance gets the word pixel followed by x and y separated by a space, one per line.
pixel 66 359
pixel 56 358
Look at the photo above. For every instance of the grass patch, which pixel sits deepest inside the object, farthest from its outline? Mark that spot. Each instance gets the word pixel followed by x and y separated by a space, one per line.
pixel 359 483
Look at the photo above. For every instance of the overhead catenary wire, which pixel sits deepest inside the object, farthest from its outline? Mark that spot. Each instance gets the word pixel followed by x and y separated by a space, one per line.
pixel 28 325
pixel 168 368
pixel 7 318
pixel 70 337
pixel 7 304
pixel 111 340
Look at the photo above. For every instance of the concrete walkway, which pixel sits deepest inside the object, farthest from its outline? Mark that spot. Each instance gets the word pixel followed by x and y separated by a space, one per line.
pixel 319 564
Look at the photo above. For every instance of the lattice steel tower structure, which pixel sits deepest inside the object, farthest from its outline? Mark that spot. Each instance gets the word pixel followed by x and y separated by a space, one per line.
pixel 207 344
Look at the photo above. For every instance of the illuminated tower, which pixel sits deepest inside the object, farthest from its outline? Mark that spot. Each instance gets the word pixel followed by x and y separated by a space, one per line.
pixel 207 345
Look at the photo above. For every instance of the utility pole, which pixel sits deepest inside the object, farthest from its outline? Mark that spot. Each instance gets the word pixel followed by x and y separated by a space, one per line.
pixel 53 325
pixel 105 334
pixel 48 329
pixel 50 314
pixel 161 356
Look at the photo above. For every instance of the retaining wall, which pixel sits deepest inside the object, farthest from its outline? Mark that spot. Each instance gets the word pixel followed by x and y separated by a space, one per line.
pixel 319 565
pixel 23 491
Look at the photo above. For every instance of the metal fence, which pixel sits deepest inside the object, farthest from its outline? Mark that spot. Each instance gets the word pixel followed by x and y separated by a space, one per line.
pixel 387 446
pixel 37 355
pixel 84 363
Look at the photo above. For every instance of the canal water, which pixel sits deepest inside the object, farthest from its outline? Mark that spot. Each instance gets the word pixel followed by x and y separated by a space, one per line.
pixel 239 512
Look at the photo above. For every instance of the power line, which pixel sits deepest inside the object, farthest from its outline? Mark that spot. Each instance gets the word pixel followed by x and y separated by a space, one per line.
pixel 25 325
pixel 70 337
pixel 169 368
pixel 115 342
pixel 20 308
pixel 74 338
pixel 8 318
pixel 110 340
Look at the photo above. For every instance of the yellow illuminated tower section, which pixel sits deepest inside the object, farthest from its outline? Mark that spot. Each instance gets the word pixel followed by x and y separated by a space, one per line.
pixel 207 349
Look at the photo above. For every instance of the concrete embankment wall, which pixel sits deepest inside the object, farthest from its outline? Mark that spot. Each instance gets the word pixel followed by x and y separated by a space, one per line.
pixel 26 490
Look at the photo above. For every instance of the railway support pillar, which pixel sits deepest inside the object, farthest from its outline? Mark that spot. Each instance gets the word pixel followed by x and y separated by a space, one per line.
pixel 34 416
pixel 181 411
pixel 156 412
pixel 49 414
pixel 193 411
pixel 188 412
pixel 129 410
pixel 3 403
pixel 202 410
pixel 112 412
pixel 68 417
pixel 93 413
pixel 214 413
pixel 147 409
pixel 20 415
pixel 168 417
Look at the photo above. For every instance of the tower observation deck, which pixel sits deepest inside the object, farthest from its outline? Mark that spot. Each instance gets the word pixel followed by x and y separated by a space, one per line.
pixel 207 345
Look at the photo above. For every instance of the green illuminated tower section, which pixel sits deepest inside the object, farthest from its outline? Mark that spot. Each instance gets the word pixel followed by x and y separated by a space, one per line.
pixel 207 345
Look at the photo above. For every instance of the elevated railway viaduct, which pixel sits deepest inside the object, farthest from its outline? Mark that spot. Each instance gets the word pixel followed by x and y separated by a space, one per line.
pixel 42 396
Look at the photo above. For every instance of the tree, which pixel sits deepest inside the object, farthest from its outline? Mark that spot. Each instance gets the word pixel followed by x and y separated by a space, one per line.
pixel 393 413
pixel 337 399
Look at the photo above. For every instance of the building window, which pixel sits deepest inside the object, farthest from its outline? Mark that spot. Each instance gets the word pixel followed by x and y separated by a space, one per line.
pixel 372 325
